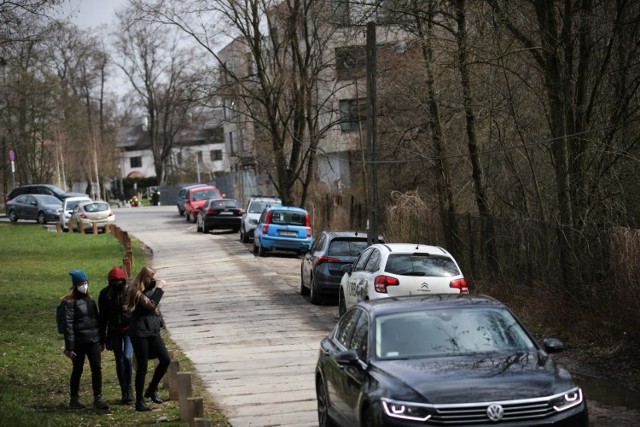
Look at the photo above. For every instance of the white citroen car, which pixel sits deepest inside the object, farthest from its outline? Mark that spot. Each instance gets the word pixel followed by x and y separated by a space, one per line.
pixel 396 269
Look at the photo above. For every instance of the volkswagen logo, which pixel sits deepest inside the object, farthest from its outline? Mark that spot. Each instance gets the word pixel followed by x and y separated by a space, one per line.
pixel 495 412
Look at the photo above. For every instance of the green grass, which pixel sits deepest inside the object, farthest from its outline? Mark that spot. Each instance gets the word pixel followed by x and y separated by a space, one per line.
pixel 34 374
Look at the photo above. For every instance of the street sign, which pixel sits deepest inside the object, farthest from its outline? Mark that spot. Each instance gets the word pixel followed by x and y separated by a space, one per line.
pixel 12 155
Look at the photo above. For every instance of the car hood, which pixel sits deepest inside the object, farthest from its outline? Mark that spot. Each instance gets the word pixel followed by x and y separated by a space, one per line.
pixel 52 206
pixel 476 379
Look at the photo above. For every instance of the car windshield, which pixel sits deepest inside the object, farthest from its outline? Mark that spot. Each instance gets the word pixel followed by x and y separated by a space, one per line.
pixel 96 207
pixel 258 207
pixel 449 332
pixel 421 264
pixel 346 246
pixel 205 194
pixel 49 200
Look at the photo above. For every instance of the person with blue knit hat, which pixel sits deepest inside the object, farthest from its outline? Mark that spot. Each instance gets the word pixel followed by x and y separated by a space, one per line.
pixel 82 339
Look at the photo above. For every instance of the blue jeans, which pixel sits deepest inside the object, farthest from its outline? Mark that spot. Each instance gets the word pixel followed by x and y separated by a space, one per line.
pixel 122 350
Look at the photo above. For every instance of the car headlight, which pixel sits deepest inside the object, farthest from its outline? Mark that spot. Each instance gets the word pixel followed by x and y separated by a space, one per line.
pixel 406 410
pixel 51 211
pixel 567 400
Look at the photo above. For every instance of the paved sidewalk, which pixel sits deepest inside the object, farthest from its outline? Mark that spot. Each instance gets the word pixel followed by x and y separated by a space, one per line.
pixel 252 338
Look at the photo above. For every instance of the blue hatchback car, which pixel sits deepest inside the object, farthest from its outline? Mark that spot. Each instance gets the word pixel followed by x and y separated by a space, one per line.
pixel 284 228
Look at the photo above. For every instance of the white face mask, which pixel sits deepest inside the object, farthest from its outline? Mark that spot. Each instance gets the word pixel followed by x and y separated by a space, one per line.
pixel 83 289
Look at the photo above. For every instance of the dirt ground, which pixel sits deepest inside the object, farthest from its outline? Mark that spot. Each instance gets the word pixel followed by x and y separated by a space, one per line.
pixel 609 384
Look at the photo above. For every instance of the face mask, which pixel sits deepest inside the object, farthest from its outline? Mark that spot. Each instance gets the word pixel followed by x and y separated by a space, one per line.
pixel 83 288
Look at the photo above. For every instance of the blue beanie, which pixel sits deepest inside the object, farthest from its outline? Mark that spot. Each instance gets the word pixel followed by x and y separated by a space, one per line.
pixel 78 276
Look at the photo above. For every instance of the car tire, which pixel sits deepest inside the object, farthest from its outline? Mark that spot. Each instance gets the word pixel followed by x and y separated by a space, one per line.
pixel 255 248
pixel 314 296
pixel 186 216
pixel 303 289
pixel 324 420
pixel 342 305
pixel 205 229
pixel 244 237
pixel 235 230
pixel 41 218
pixel 12 215
pixel 261 251
pixel 198 228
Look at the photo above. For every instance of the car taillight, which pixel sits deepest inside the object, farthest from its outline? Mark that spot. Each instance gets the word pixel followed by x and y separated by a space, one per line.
pixel 211 211
pixel 323 259
pixel 83 216
pixel 381 282
pixel 307 222
pixel 460 284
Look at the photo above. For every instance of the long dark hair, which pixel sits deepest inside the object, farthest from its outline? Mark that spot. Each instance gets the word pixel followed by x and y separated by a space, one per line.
pixel 140 283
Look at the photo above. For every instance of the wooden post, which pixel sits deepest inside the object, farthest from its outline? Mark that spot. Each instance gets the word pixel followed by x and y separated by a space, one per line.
pixel 184 392
pixel 95 228
pixel 58 227
pixel 126 263
pixel 195 409
pixel 201 422
pixel 171 380
pixel 81 227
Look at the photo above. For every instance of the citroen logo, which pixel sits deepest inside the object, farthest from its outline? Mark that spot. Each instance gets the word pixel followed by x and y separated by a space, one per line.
pixel 495 412
pixel 425 285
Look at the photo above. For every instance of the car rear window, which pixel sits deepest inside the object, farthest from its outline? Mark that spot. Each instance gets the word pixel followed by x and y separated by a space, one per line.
pixel 288 218
pixel 259 206
pixel 206 194
pixel 224 204
pixel 96 207
pixel 346 247
pixel 421 264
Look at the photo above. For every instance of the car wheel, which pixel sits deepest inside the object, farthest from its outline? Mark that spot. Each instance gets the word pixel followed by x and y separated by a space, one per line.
pixel 324 420
pixel 12 216
pixel 42 218
pixel 303 289
pixel 186 216
pixel 244 237
pixel 255 248
pixel 261 251
pixel 205 229
pixel 342 305
pixel 198 228
pixel 235 230
pixel 314 295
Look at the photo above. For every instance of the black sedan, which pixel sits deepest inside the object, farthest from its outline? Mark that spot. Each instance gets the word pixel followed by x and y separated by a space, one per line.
pixel 225 214
pixel 441 360
pixel 38 207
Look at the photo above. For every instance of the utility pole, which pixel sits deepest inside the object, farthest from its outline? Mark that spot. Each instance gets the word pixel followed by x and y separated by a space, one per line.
pixel 372 135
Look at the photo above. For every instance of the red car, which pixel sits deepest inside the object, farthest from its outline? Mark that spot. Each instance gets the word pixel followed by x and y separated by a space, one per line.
pixel 196 198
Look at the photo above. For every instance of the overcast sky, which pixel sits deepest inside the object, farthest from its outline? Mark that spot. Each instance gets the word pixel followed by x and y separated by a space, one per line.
pixel 93 13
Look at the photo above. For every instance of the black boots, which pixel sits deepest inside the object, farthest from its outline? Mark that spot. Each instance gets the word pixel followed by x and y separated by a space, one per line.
pixel 99 403
pixel 152 394
pixel 74 403
pixel 127 396
pixel 141 406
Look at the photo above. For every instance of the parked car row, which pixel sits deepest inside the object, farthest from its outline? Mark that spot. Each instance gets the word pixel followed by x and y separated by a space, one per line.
pixel 69 209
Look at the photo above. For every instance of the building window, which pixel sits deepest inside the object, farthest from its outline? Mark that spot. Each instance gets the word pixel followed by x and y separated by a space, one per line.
pixel 135 162
pixel 352 112
pixel 199 155
pixel 351 62
pixel 215 155
pixel 179 159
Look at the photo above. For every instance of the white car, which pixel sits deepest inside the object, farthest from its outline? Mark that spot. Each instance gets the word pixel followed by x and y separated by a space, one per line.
pixel 251 215
pixel 92 212
pixel 395 269
pixel 68 205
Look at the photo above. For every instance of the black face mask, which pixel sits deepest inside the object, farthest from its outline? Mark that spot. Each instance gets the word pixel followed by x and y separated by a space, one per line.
pixel 150 285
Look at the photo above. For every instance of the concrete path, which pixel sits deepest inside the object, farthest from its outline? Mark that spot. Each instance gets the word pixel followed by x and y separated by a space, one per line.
pixel 240 319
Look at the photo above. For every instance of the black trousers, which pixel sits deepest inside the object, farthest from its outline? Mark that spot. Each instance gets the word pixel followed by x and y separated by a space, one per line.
pixel 92 352
pixel 143 348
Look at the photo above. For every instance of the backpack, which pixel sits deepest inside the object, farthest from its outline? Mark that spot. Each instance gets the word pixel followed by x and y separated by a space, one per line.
pixel 61 318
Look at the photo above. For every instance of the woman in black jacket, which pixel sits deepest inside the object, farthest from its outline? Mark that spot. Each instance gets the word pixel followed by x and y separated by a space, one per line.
pixel 82 338
pixel 114 324
pixel 142 301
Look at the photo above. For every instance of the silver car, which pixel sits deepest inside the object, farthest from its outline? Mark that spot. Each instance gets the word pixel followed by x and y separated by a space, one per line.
pixel 256 205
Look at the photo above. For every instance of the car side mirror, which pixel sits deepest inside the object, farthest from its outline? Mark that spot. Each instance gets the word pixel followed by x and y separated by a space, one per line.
pixel 347 268
pixel 553 345
pixel 349 358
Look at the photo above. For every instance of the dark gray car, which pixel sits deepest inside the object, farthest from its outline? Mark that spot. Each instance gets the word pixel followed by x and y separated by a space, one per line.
pixel 38 207
pixel 320 272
